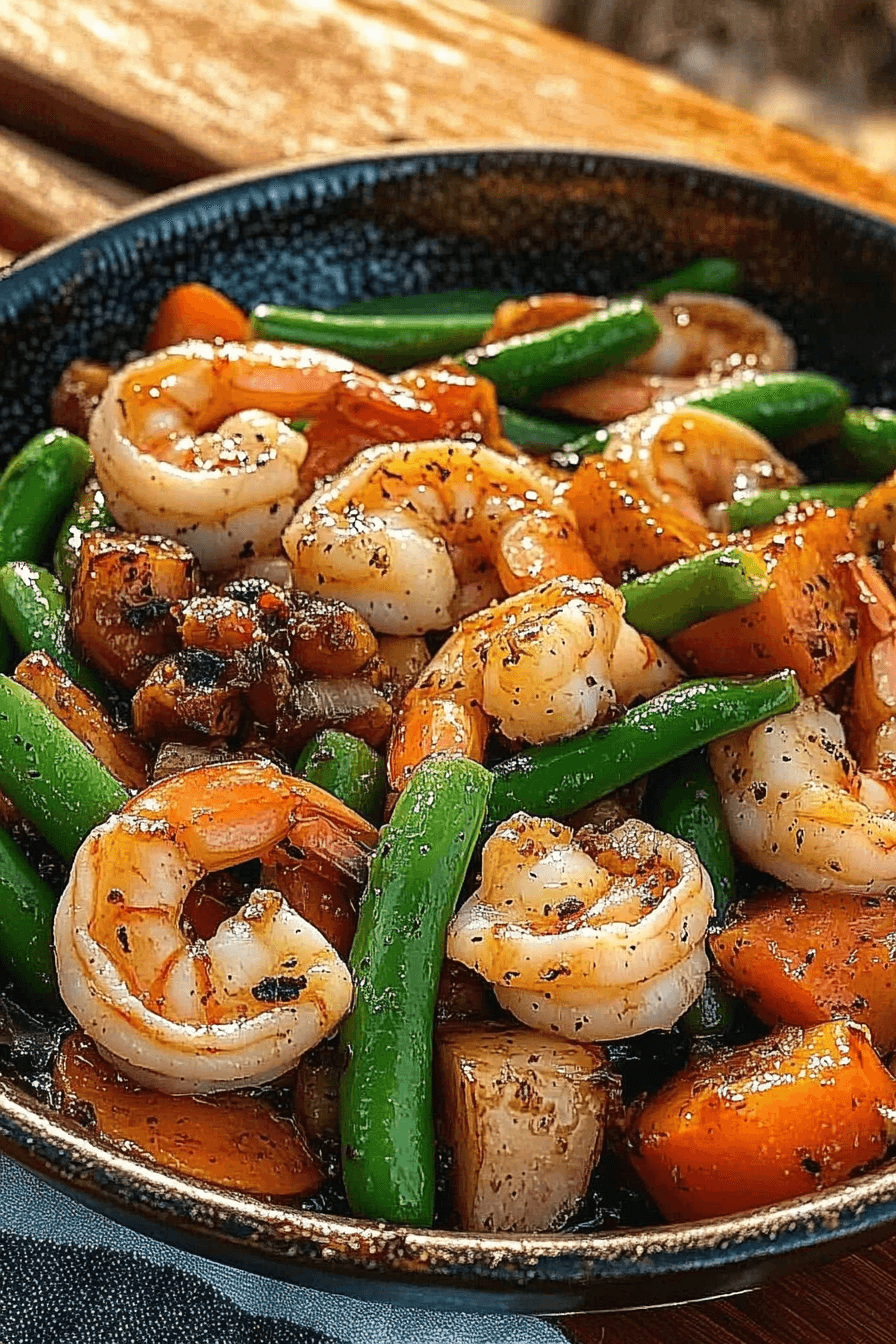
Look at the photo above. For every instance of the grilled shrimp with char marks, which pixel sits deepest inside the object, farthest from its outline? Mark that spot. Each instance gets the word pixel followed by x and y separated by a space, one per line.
pixel 592 943
pixel 238 1008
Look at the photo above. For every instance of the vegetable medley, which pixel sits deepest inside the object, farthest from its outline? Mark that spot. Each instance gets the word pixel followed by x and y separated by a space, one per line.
pixel 458 786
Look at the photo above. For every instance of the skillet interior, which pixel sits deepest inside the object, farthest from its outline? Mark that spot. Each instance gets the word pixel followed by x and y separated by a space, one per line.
pixel 532 220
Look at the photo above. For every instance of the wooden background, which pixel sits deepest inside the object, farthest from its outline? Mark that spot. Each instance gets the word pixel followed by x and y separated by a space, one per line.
pixel 102 101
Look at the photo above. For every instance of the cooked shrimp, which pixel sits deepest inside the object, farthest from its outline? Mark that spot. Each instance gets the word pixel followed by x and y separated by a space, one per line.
pixel 539 666
pixel 872 712
pixel 190 444
pixel 694 458
pixel 699 334
pixel 593 945
pixel 798 806
pixel 874 519
pixel 407 536
pixel 240 1007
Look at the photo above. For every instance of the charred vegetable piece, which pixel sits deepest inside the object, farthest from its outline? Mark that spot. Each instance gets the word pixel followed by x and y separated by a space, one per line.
pixel 807 620
pixel 788 1115
pixel 32 603
pixel 524 1117
pixel 190 696
pixel 867 444
pixel 77 394
pixel 763 506
pixel 709 275
pixel 805 957
pixel 89 513
pixel 327 638
pixel 523 367
pixel 349 769
pixel 683 800
pixel 691 590
pixel 121 602
pixel 36 488
pixel 197 312
pixel 624 533
pixel 85 716
pixel 385 1099
pixel 51 777
pixel 562 777
pixel 238 1142
pixel 386 341
pixel 27 907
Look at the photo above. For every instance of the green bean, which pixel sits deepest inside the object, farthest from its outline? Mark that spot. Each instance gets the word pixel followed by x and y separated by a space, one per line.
pixel 32 603
pixel 469 301
pixel 867 444
pixel 763 506
pixel 536 433
pixel 682 799
pixel 50 776
pixel 385 1099
pixel 349 769
pixel 386 342
pixel 36 489
pixel 778 405
pixel 687 591
pixel 27 907
pixel 560 777
pixel 523 367
pixel 711 275
pixel 88 514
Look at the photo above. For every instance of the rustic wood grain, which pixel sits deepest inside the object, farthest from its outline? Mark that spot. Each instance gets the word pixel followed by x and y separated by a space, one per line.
pixel 851 1302
pixel 44 194
pixel 171 88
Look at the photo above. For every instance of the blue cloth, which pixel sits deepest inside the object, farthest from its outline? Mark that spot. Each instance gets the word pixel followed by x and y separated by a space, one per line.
pixel 70 1276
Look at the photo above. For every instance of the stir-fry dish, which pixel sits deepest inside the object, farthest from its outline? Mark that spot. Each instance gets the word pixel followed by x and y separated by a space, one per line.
pixel 448 757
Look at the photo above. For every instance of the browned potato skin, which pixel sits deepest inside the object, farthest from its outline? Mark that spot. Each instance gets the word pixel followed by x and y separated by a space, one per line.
pixel 755 1124
pixel 808 619
pixel 234 1141
pixel 806 957
pixel 77 393
pixel 83 714
pixel 625 534
pixel 121 602
pixel 524 1115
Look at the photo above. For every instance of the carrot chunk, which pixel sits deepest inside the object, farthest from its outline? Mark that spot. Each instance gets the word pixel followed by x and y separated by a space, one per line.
pixel 808 619
pixel 197 312
pixel 755 1124
pixel 805 957
pixel 235 1141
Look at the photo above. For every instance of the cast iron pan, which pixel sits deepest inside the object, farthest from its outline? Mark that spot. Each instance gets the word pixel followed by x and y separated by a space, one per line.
pixel 526 220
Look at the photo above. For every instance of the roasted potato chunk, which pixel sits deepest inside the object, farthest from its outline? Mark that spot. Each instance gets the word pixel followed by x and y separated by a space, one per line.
pixel 524 1116
pixel 121 602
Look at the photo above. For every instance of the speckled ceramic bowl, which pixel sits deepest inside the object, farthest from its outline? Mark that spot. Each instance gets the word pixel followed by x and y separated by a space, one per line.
pixel 532 220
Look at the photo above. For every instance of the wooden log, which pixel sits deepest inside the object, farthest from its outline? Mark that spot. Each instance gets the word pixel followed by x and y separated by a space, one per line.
pixel 43 194
pixel 174 90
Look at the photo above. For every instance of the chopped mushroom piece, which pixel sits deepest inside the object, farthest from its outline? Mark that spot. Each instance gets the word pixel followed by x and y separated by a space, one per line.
pixel 524 1116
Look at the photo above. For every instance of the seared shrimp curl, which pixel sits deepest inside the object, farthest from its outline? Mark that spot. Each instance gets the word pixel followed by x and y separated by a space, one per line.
pixel 593 944
pixel 236 1009
pixel 416 537
pixel 798 807
pixel 542 665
